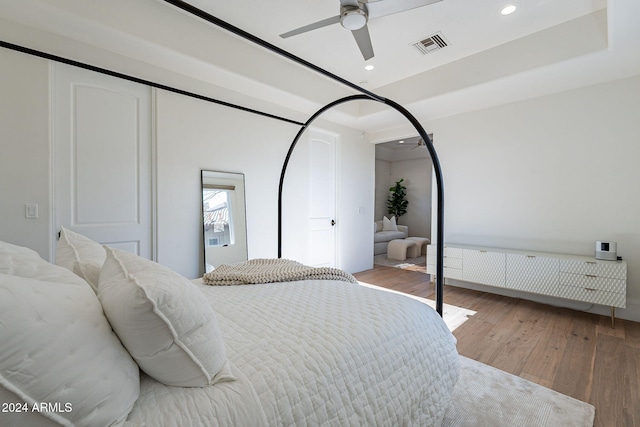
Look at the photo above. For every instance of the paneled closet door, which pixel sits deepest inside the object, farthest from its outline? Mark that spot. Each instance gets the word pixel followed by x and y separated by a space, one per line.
pixel 102 169
pixel 322 198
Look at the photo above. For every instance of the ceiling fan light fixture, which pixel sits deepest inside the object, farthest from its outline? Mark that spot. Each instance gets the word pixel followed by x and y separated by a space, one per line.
pixel 353 18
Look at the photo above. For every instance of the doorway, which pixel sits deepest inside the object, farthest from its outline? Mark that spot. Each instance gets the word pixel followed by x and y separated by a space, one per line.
pixel 407 159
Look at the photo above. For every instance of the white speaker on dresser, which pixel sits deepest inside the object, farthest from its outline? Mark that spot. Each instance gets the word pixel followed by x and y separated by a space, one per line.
pixel 606 250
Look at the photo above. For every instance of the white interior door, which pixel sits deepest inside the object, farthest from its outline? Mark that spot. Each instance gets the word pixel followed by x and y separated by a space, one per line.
pixel 102 158
pixel 322 199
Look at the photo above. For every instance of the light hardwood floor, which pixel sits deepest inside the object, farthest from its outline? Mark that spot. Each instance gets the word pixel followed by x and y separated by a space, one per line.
pixel 575 353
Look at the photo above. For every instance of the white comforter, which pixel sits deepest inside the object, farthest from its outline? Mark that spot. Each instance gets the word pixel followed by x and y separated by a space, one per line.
pixel 314 353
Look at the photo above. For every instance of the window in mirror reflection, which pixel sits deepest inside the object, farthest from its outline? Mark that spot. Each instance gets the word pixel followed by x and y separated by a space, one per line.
pixel 218 223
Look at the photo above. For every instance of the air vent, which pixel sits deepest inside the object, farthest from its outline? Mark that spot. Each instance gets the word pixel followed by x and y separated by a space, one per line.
pixel 431 43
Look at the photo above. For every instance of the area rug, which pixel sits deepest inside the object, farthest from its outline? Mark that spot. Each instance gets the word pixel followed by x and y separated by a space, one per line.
pixel 406 264
pixel 486 396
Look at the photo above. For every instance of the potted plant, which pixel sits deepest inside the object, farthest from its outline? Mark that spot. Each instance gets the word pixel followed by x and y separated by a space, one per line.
pixel 397 202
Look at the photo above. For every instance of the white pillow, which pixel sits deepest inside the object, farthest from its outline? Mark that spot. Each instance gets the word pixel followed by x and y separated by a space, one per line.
pixel 81 255
pixel 163 320
pixel 58 348
pixel 389 224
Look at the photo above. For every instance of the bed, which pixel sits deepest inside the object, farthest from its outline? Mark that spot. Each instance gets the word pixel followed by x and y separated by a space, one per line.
pixel 106 338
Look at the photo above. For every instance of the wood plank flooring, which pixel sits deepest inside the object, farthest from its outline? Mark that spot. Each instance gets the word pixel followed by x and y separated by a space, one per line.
pixel 575 353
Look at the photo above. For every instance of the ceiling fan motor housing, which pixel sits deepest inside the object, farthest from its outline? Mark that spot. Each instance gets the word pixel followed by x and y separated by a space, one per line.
pixel 353 17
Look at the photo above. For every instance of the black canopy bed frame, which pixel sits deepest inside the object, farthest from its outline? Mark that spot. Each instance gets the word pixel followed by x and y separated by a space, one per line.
pixel 364 95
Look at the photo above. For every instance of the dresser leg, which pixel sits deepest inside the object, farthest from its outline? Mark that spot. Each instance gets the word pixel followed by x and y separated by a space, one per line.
pixel 613 317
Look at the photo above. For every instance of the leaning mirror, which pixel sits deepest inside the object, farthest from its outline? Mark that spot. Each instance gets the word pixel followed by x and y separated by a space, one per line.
pixel 223 218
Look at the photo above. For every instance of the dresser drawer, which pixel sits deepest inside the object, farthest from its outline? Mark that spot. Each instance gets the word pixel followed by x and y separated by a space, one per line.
pixel 453 263
pixel 448 261
pixel 453 273
pixel 613 269
pixel 532 273
pixel 588 281
pixel 453 252
pixel 452 257
pixel 448 272
pixel 484 267
pixel 591 295
pixel 432 251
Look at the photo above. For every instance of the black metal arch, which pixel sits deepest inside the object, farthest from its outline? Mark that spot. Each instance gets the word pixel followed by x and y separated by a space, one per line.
pixel 439 282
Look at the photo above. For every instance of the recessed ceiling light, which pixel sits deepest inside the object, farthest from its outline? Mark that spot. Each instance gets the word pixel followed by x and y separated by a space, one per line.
pixel 369 67
pixel 401 141
pixel 508 9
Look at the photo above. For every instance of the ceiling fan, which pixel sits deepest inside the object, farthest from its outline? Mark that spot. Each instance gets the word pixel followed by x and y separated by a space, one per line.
pixel 354 15
pixel 419 142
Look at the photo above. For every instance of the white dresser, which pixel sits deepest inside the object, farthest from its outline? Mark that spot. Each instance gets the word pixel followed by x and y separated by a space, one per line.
pixel 574 277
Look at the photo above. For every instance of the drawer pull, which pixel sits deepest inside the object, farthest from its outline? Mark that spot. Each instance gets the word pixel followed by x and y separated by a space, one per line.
pixel 590 289
pixel 590 262
pixel 482 252
pixel 590 276
pixel 531 256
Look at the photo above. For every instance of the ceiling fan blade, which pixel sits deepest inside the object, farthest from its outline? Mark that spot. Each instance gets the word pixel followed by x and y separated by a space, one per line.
pixel 310 27
pixel 364 42
pixel 377 9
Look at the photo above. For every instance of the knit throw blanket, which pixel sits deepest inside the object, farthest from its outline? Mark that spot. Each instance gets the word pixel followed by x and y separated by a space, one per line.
pixel 263 270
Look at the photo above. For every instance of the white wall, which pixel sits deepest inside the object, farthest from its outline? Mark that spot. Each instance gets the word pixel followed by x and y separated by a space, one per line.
pixel 555 174
pixel 195 135
pixel 190 135
pixel 25 165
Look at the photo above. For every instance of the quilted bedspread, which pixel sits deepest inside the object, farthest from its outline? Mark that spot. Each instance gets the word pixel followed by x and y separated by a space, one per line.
pixel 317 353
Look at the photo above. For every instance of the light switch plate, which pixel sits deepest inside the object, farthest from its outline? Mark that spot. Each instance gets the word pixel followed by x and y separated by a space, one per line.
pixel 31 210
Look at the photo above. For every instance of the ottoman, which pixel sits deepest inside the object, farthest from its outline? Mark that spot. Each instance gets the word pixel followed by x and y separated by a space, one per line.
pixel 401 249
pixel 422 244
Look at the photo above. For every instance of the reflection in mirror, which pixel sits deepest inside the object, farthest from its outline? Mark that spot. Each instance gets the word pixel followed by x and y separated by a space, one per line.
pixel 224 222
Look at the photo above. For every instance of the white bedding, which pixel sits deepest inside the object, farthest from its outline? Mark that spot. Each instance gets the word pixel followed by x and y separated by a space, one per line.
pixel 307 353
pixel 316 353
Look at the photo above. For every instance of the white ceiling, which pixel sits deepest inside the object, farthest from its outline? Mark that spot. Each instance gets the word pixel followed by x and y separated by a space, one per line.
pixel 470 26
pixel 544 47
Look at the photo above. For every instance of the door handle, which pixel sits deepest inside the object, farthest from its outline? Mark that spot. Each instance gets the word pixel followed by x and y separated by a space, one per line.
pixel 333 222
